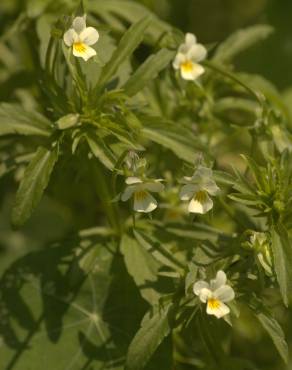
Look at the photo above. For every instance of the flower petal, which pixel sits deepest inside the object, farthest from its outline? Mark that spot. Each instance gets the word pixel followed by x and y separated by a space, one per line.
pixel 155 186
pixel 225 293
pixel 70 37
pixel 179 59
pixel 188 191
pixel 200 205
pixel 211 187
pixel 133 180
pixel 190 40
pixel 83 51
pixel 79 24
pixel 217 308
pixel 199 285
pixel 197 53
pixel 202 173
pixel 205 294
pixel 144 202
pixel 128 192
pixel 191 74
pixel 89 36
pixel 219 281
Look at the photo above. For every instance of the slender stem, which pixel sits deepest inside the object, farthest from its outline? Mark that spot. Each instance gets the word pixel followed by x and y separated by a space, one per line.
pixel 230 213
pixel 257 95
pixel 49 55
pixel 115 171
pixel 105 197
pixel 24 346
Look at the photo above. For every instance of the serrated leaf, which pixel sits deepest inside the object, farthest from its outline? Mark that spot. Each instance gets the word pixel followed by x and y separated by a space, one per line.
pixel 241 40
pixel 282 253
pixel 100 150
pixel 276 333
pixel 151 334
pixel 33 184
pixel 148 71
pixel 140 265
pixel 129 42
pixel 16 120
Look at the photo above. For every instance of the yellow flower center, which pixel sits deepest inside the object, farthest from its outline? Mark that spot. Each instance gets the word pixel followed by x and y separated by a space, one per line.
pixel 213 303
pixel 187 66
pixel 201 196
pixel 79 47
pixel 140 195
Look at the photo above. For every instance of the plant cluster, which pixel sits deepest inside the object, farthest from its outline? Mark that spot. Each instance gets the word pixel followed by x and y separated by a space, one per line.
pixel 176 171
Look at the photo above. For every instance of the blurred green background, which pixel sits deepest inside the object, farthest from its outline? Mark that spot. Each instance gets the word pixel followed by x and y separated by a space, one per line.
pixel 214 20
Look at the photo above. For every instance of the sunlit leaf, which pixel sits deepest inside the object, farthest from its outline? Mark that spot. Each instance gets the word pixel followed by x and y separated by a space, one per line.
pixel 33 184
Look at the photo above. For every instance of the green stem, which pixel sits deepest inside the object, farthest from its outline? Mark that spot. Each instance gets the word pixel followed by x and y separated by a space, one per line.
pixel 110 208
pixel 230 213
pixel 116 171
pixel 208 341
pixel 257 95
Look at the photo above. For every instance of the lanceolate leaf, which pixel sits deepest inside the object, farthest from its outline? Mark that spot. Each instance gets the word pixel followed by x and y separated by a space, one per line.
pixel 275 332
pixel 241 40
pixel 129 11
pixel 161 254
pixel 140 265
pixel 154 329
pixel 148 71
pixel 178 139
pixel 259 175
pixel 282 253
pixel 129 42
pixel 16 120
pixel 33 184
pixel 100 150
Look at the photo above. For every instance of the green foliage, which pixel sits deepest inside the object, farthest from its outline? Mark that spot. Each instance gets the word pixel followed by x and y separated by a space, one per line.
pixel 15 120
pixel 240 41
pixel 152 332
pixel 129 42
pixel 35 179
pixel 283 261
pixel 148 71
pixel 153 183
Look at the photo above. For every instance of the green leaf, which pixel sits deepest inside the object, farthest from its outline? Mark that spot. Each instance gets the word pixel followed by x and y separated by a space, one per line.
pixel 152 332
pixel 100 150
pixel 68 121
pixel 224 178
pixel 60 307
pixel 148 71
pixel 275 331
pixel 237 111
pixel 241 40
pixel 246 199
pixel 113 11
pixel 129 42
pixel 16 120
pixel 33 184
pixel 258 173
pixel 282 253
pixel 140 265
pixel 178 139
pixel 158 251
pixel 241 184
